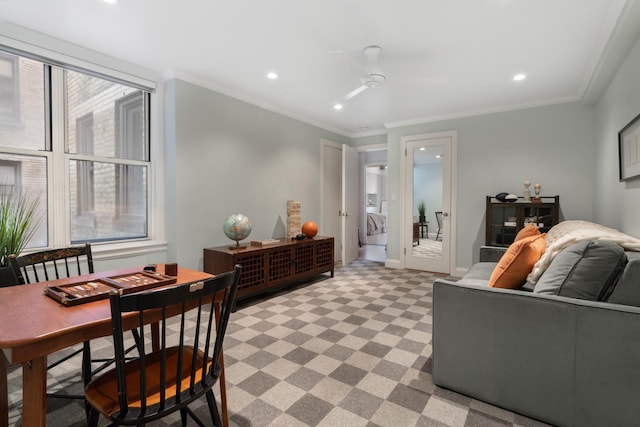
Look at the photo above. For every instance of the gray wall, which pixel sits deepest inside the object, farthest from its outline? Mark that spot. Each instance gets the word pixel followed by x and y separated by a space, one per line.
pixel 218 146
pixel 617 204
pixel 553 145
pixel 227 156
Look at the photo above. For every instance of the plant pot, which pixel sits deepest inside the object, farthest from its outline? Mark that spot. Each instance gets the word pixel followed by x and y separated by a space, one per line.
pixel 422 218
pixel 7 278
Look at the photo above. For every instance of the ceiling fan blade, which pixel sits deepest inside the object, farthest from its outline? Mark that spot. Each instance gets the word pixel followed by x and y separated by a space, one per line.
pixel 372 74
pixel 361 69
pixel 355 92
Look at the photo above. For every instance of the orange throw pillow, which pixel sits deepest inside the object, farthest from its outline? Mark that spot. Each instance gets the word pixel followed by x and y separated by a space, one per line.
pixel 528 231
pixel 517 262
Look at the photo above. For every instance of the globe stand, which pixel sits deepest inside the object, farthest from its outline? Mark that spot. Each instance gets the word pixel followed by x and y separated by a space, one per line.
pixel 237 247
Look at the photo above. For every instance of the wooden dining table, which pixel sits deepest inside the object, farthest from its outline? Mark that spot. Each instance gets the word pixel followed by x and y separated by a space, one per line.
pixel 33 326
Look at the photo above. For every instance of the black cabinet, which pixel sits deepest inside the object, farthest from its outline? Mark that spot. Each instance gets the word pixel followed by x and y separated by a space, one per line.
pixel 505 219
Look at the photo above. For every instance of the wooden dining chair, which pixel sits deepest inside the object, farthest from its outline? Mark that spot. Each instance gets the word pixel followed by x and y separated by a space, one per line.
pixel 56 264
pixel 182 368
pixel 439 220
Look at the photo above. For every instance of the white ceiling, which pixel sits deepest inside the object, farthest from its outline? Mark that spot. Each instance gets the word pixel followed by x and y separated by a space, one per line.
pixel 444 58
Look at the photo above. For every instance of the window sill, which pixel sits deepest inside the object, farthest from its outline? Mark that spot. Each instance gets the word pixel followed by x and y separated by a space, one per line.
pixel 127 249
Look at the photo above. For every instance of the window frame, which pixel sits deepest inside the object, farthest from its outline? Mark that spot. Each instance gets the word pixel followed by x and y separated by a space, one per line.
pixel 52 52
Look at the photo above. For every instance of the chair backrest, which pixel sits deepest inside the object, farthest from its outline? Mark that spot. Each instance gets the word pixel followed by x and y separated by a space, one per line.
pixel 191 358
pixel 52 264
pixel 439 218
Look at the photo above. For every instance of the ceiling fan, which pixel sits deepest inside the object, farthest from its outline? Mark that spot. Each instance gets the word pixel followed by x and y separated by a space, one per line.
pixel 373 75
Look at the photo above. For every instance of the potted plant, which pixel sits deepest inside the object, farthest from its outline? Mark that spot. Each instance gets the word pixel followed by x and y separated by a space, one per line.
pixel 421 212
pixel 18 223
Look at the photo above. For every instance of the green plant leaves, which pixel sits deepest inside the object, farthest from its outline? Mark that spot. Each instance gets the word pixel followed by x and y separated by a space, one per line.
pixel 18 222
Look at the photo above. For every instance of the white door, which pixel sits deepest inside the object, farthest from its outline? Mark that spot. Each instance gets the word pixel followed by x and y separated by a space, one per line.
pixel 350 167
pixel 428 181
pixel 331 219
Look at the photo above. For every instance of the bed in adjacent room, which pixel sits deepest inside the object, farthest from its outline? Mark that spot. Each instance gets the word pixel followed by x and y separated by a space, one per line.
pixel 376 223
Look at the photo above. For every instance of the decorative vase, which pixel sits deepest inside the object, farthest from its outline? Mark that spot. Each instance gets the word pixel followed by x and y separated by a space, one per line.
pixel 527 191
pixel 536 189
pixel 422 218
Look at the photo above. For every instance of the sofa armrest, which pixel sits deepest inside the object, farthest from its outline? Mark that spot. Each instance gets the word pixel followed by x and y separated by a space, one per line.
pixel 543 356
pixel 491 253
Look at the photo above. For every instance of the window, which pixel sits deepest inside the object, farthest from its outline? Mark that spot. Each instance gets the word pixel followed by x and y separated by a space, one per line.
pixel 10 175
pixel 9 84
pixel 130 192
pixel 85 130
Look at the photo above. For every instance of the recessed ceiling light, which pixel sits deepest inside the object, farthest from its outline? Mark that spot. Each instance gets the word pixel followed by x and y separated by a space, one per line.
pixel 422 148
pixel 438 156
pixel 111 1
pixel 519 77
pixel 337 107
pixel 272 75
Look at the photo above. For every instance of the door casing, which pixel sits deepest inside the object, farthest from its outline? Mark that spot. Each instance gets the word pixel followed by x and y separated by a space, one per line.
pixel 339 195
pixel 407 197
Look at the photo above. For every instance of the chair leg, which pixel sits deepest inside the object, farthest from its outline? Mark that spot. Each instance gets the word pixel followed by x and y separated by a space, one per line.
pixel 213 409
pixel 136 336
pixel 93 417
pixel 86 371
pixel 183 417
pixel 86 362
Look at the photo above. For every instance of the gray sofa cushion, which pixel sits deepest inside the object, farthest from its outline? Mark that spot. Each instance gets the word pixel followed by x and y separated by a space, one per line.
pixel 627 290
pixel 480 270
pixel 586 270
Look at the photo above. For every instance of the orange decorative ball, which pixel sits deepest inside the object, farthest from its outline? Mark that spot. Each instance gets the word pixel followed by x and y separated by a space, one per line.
pixel 309 229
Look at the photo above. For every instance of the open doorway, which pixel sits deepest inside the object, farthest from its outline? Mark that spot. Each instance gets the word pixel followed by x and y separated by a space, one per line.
pixel 374 197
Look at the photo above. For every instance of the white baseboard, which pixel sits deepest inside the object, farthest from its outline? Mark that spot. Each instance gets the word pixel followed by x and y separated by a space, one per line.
pixel 393 263
pixel 397 264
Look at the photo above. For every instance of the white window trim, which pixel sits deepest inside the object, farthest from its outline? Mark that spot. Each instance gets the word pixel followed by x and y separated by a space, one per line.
pixel 51 50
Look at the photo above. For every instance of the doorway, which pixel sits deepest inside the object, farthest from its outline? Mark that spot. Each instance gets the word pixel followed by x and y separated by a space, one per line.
pixel 428 201
pixel 339 188
pixel 374 203
pixel 375 227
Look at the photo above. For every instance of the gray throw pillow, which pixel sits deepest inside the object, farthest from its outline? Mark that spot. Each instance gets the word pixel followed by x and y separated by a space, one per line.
pixel 585 270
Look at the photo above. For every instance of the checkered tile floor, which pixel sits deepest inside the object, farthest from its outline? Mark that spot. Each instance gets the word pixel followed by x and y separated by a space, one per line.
pixel 427 248
pixel 349 351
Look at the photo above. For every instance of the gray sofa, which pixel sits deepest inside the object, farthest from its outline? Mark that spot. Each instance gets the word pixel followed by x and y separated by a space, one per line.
pixel 561 360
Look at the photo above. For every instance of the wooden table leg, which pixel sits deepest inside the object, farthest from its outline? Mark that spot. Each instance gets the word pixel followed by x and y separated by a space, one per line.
pixel 4 391
pixel 34 392
pixel 221 381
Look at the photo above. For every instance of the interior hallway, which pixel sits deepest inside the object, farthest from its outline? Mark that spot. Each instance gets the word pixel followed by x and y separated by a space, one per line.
pixel 375 249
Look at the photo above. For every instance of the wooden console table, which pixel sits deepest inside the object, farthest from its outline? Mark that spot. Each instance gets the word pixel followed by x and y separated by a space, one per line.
pixel 272 266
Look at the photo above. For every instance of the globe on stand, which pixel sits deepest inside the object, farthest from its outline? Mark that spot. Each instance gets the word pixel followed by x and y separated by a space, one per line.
pixel 237 227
